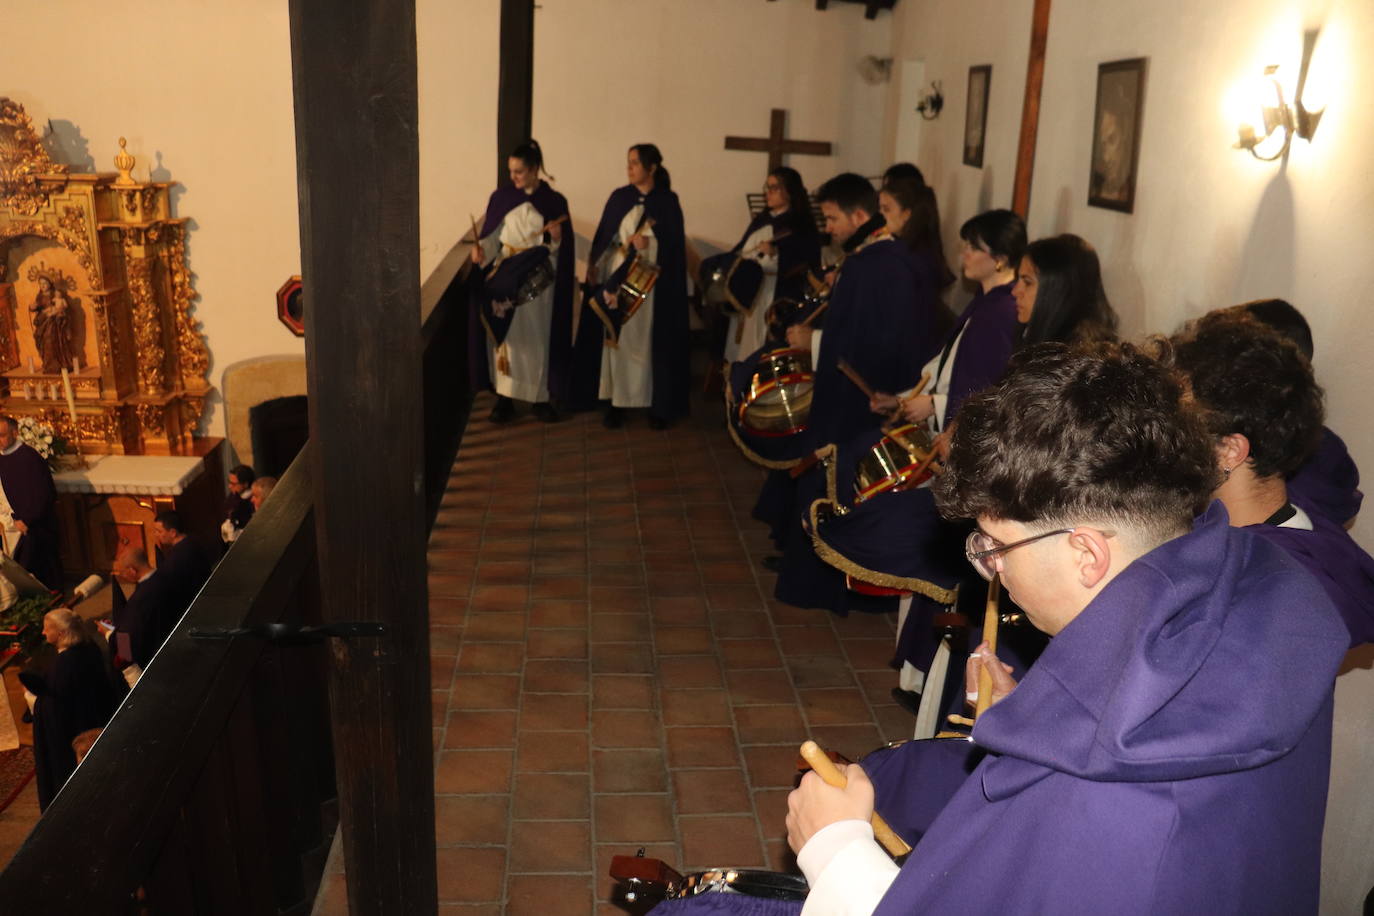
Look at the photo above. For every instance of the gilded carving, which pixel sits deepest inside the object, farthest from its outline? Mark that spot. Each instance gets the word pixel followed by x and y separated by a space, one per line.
pixel 149 200
pixel 22 161
pixel 76 244
pixel 195 359
pixel 150 421
pixel 147 329
pixel 73 219
pixel 130 199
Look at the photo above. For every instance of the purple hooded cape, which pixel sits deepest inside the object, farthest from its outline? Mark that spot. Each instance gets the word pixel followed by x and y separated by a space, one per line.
pixel 1328 483
pixel 1346 572
pixel 33 499
pixel 990 330
pixel 1168 753
pixel 550 205
pixel 671 332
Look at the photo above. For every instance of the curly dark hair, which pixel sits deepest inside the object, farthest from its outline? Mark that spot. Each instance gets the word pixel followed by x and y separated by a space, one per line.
pixel 1072 434
pixel 1253 381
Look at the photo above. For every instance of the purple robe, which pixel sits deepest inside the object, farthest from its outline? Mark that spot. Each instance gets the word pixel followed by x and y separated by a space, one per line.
pixel 990 330
pixel 1168 753
pixel 671 341
pixel 33 499
pixel 550 205
pixel 1328 483
pixel 1346 572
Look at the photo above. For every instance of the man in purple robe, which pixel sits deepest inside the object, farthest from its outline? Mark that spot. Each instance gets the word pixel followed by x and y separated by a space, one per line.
pixel 1169 751
pixel 32 497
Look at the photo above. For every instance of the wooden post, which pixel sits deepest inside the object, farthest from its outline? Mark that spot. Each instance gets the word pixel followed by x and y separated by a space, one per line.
pixel 515 99
pixel 357 159
pixel 1030 109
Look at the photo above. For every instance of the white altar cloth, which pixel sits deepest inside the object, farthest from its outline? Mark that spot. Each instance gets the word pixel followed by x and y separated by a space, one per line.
pixel 133 475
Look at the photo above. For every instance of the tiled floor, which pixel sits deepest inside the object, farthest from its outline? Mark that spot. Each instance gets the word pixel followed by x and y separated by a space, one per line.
pixel 609 669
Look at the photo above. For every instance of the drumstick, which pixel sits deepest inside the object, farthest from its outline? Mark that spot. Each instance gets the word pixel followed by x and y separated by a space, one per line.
pixel 826 770
pixel 990 621
pixel 843 365
pixel 806 322
pixel 901 402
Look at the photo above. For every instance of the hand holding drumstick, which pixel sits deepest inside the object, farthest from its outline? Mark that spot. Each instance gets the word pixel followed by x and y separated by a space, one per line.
pixel 827 795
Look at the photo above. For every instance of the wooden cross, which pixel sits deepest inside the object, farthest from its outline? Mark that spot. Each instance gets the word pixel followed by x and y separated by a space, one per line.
pixel 775 144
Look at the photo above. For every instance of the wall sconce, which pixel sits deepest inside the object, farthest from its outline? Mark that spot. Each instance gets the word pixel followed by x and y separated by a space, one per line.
pixel 931 103
pixel 1268 133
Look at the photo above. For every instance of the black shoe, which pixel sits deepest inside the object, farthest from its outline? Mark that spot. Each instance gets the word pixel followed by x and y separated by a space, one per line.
pixel 613 418
pixel 546 412
pixel 909 700
pixel 659 423
pixel 503 412
pixel 772 563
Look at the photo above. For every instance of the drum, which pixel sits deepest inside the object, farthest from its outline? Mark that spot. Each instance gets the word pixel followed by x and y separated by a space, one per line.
pixel 778 401
pixel 646 877
pixel 730 282
pixel 901 460
pixel 521 277
pixel 535 282
pixel 635 288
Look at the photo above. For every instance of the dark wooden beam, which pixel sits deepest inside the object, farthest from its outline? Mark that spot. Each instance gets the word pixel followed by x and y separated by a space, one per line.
pixel 515 99
pixel 357 160
pixel 1030 109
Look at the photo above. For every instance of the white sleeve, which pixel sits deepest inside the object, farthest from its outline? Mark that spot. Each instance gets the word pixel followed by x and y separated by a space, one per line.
pixel 491 246
pixel 815 348
pixel 941 402
pixel 848 871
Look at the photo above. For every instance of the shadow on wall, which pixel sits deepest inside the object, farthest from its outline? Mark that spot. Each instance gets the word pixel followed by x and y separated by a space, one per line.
pixel 985 191
pixel 1269 257
pixel 66 145
pixel 1063 207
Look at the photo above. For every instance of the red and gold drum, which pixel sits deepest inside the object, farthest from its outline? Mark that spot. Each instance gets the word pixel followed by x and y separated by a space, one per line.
pixel 778 402
pixel 900 460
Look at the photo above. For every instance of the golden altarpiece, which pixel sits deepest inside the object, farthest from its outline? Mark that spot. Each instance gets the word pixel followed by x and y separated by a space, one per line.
pixel 93 280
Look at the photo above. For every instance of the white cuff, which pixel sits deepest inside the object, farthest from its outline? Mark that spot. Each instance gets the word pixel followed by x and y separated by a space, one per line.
pixel 848 871
pixel 940 401
pixel 815 348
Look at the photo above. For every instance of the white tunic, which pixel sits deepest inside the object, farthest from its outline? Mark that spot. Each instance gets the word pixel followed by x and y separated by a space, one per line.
pixel 748 332
pixel 526 346
pixel 627 370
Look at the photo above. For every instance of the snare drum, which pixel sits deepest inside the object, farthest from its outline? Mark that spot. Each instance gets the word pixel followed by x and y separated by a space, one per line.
pixel 901 460
pixel 635 288
pixel 778 402
pixel 535 282
pixel 754 890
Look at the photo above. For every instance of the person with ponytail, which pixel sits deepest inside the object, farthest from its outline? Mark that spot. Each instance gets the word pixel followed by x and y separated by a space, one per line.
pixel 641 360
pixel 523 352
pixel 77 693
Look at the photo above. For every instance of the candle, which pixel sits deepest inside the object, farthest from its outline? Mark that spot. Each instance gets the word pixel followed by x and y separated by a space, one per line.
pixel 67 390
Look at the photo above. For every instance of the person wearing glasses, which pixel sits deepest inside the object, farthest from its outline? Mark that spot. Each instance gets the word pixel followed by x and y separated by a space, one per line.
pixel 783 239
pixel 1168 753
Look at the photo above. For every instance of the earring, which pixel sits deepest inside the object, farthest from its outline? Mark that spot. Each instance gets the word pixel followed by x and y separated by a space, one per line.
pixel 1226 473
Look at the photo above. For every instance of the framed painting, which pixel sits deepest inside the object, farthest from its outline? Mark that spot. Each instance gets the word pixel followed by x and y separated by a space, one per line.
pixel 976 114
pixel 1116 134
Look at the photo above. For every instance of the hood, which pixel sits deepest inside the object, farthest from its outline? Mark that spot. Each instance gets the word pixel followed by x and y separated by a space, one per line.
pixel 1212 653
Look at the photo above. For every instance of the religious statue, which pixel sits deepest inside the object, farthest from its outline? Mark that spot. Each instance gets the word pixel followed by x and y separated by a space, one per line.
pixel 52 327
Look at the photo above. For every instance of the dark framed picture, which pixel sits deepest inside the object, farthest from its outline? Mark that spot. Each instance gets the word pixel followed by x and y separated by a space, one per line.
pixel 291 305
pixel 1116 134
pixel 976 114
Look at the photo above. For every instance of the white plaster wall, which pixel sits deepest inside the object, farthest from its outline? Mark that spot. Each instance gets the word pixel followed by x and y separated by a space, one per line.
pixel 611 73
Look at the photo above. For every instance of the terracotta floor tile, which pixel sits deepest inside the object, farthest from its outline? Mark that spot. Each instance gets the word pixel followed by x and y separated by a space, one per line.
pixel 473 771
pixel 565 796
pixel 550 846
pixel 894 722
pixel 633 819
pixel 468 874
pixel 626 728
pixel 769 686
pixel 499 598
pixel 869 653
pixel 447 611
pixel 722 572
pixel 502 627
pixel 509 547
pixel 619 628
pixel 549 895
pixel 734 598
pixel 835 706
pixel 441 671
pixel 709 746
pixel 498 572
pixel 566 644
pixel 689 671
pixel 560 587
pixel 438 708
pixel 623 691
pixel 622 658
pixel 770 807
pixel 546 752
pixel 719 840
pixel 683 641
pixel 749 653
pixel 475 819
pixel 556 676
pixel 711 792
pixel 491 657
pixel 741 624
pixel 621 575
pixel 877 685
pixel 817 640
pixel 695 707
pixel 558 612
pixel 851 740
pixel 480 729
pixel 770 724
pixel 553 711
pixel 665 585
pixel 485 691
pixel 679 611
pixel 560 564
pixel 772 765
pixel 821 671
pixel 629 770
pixel 445 640
pixel 617 599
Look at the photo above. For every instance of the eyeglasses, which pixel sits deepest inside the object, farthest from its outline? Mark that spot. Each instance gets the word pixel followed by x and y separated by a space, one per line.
pixel 770 186
pixel 982 550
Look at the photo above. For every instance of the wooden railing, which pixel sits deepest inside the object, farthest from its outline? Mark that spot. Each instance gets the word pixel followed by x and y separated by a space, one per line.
pixel 211 790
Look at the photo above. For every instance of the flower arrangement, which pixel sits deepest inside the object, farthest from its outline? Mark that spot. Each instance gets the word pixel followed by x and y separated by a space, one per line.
pixel 40 437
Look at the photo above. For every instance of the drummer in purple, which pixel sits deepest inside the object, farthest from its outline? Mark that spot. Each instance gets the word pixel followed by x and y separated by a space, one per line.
pixel 1168 753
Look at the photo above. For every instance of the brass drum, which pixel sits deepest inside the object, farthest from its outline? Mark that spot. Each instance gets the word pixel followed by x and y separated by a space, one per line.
pixel 899 461
pixel 778 402
pixel 639 282
pixel 770 885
